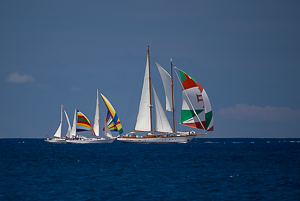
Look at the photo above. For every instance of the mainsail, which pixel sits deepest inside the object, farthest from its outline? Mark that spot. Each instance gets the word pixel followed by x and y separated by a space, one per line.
pixel 162 123
pixel 83 123
pixel 113 114
pixel 58 131
pixel 196 109
pixel 143 122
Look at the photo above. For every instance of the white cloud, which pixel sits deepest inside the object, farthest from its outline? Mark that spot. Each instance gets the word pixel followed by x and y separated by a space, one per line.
pixel 19 78
pixel 248 112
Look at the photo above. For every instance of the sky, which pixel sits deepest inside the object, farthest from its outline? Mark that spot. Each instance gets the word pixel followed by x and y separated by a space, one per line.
pixel 246 55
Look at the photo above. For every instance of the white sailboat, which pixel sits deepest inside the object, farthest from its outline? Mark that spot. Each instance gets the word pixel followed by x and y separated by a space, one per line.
pixel 106 137
pixel 57 136
pixel 192 110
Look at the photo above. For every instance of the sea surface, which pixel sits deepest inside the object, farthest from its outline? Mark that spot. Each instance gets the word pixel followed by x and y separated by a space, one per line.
pixel 205 169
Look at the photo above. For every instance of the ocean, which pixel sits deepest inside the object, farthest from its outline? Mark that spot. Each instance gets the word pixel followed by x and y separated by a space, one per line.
pixel 204 169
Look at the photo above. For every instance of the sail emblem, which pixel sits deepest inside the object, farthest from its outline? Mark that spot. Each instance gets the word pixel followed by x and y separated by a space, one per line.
pixel 200 98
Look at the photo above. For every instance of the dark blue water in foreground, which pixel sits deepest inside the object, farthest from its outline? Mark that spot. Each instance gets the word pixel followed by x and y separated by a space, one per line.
pixel 205 169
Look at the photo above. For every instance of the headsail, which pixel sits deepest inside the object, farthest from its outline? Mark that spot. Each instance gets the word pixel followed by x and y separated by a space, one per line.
pixel 97 117
pixel 196 109
pixel 73 130
pixel 83 123
pixel 166 78
pixel 162 123
pixel 113 114
pixel 69 128
pixel 58 131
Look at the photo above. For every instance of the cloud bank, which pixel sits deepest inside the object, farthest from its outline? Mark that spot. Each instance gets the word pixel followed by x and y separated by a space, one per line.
pixel 19 78
pixel 251 112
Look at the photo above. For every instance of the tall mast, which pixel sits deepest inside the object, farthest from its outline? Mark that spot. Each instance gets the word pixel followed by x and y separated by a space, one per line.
pixel 150 91
pixel 173 108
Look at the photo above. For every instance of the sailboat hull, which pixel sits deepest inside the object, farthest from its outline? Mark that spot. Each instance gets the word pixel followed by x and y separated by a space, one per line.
pixel 91 141
pixel 55 140
pixel 173 139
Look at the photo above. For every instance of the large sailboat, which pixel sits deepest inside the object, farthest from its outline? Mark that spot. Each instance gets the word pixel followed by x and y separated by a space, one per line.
pixel 57 138
pixel 83 124
pixel 196 110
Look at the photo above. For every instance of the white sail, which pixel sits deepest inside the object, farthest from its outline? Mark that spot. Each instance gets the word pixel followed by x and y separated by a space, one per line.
pixel 73 131
pixel 162 123
pixel 143 122
pixel 106 129
pixel 166 78
pixel 58 132
pixel 69 128
pixel 97 117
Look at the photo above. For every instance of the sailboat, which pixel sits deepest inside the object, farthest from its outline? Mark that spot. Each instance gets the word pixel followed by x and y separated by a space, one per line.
pixel 196 110
pixel 57 136
pixel 83 124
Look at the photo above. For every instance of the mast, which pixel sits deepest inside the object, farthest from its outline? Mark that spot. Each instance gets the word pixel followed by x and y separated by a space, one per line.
pixel 150 91
pixel 172 86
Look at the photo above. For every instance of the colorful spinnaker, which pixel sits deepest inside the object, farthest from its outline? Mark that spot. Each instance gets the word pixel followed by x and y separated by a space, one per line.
pixel 196 109
pixel 110 123
pixel 114 123
pixel 83 123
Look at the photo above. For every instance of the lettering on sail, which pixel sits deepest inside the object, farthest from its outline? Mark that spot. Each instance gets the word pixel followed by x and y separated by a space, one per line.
pixel 199 98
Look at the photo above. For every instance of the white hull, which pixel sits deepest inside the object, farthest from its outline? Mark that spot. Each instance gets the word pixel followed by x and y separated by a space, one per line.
pixel 175 139
pixel 91 141
pixel 56 140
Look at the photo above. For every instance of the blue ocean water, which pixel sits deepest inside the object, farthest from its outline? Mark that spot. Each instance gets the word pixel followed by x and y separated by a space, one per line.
pixel 205 169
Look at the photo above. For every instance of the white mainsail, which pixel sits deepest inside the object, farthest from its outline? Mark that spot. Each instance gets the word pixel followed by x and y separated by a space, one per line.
pixel 97 117
pixel 162 123
pixel 69 128
pixel 166 79
pixel 73 131
pixel 58 131
pixel 143 122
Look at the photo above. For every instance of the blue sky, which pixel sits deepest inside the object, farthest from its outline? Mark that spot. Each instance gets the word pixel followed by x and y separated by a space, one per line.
pixel 246 54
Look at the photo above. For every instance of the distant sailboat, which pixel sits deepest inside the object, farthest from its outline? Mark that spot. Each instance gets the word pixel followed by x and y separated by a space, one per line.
pixel 57 136
pixel 195 106
pixel 83 124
